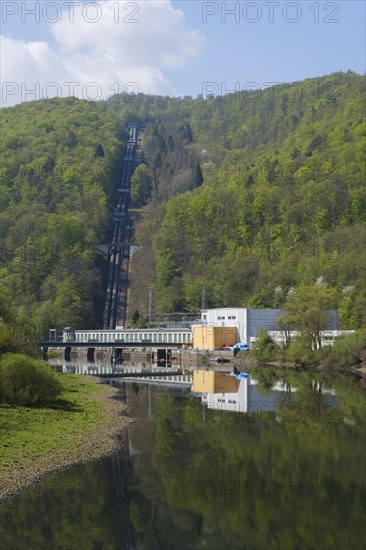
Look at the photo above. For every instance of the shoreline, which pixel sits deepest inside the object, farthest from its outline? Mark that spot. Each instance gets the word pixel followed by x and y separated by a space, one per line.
pixel 103 439
pixel 249 363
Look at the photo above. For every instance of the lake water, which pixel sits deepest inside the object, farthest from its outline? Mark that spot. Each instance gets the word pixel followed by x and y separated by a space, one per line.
pixel 287 474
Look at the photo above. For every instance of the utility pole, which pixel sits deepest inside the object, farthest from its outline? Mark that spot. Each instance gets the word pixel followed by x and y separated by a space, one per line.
pixel 150 307
pixel 204 297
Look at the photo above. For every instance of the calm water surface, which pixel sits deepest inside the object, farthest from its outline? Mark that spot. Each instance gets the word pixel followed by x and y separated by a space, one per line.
pixel 290 474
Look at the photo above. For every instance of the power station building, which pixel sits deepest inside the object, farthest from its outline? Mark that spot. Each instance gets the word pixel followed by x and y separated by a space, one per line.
pixel 217 328
pixel 223 327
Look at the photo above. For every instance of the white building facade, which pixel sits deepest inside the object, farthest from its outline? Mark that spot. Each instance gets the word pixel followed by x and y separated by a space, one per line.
pixel 249 322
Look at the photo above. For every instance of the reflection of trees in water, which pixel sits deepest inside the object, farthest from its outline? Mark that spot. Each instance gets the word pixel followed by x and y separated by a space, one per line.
pixel 270 485
pixel 309 402
pixel 305 396
pixel 75 508
pixel 266 378
pixel 315 405
pixel 286 397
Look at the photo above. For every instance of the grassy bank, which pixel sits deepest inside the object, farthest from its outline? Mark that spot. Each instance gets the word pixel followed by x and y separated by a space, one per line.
pixel 78 426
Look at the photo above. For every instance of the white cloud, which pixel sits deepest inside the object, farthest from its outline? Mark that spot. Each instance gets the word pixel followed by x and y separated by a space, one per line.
pixel 112 52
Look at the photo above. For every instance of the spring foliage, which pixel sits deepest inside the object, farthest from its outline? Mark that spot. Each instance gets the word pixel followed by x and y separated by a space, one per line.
pixel 247 195
pixel 282 203
pixel 26 381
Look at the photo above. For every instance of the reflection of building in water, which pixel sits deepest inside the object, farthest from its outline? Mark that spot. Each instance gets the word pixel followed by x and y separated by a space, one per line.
pixel 222 391
pixel 230 401
pixel 210 381
pixel 240 393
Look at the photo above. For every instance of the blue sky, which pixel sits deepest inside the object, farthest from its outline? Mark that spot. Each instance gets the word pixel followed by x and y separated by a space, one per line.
pixel 172 47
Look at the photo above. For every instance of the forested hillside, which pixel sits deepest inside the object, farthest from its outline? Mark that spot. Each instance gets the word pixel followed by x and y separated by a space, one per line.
pixel 239 198
pixel 282 202
pixel 59 160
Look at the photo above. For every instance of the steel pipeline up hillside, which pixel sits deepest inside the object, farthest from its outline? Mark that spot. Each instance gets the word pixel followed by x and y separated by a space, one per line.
pixel 119 249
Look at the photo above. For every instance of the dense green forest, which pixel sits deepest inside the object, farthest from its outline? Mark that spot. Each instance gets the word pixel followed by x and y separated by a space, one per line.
pixel 244 196
pixel 59 162
pixel 282 202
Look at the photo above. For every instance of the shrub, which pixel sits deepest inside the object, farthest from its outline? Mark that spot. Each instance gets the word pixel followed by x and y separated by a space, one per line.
pixel 265 348
pixel 347 350
pixel 298 352
pixel 27 381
